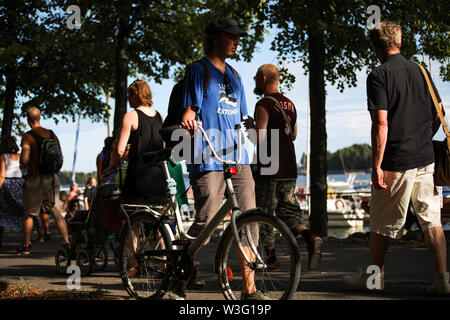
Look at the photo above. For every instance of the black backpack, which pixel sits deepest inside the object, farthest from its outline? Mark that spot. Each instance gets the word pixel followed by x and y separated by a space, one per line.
pixel 175 109
pixel 50 154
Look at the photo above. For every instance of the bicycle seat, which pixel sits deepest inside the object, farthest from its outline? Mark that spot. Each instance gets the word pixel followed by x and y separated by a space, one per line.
pixel 109 191
pixel 155 157
pixel 166 133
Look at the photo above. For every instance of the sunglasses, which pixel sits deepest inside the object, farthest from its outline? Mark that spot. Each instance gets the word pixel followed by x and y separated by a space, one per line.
pixel 228 86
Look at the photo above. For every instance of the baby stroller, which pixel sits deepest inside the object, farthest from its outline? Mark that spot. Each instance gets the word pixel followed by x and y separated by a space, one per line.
pixel 91 231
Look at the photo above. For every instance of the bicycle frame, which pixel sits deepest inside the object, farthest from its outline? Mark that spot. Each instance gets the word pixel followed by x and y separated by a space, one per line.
pixel 230 204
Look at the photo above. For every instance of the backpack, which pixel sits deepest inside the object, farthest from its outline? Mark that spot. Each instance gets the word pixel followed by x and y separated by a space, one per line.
pixel 50 154
pixel 176 109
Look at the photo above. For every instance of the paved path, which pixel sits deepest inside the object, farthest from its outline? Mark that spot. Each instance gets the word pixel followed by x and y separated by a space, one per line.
pixel 408 271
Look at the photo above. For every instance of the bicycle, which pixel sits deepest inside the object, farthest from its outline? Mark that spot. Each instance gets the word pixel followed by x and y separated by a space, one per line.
pixel 153 262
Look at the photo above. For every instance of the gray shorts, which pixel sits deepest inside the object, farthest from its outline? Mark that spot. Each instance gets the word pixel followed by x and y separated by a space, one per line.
pixel 209 189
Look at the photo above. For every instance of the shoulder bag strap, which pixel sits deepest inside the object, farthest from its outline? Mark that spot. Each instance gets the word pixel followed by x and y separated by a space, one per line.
pixel 436 105
pixel 278 104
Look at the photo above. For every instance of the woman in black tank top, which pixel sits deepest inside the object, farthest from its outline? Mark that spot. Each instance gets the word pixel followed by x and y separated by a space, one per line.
pixel 140 129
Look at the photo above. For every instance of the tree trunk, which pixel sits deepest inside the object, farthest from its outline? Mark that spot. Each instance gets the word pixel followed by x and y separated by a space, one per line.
pixel 10 101
pixel 10 71
pixel 318 166
pixel 121 65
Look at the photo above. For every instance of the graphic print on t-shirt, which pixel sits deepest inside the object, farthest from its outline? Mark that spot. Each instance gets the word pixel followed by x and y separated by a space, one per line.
pixel 232 101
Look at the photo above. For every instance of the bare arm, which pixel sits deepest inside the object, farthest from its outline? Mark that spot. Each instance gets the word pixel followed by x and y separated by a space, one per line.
pixel 99 169
pixel 25 154
pixel 436 120
pixel 125 130
pixel 2 169
pixel 379 138
pixel 261 120
pixel 294 133
pixel 188 120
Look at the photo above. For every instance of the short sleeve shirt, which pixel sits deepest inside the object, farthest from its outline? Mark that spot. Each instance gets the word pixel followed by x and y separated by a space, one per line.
pixel 399 87
pixel 219 113
pixel 287 163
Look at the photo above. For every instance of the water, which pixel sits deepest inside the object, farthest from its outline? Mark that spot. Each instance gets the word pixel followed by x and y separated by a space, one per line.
pixel 301 179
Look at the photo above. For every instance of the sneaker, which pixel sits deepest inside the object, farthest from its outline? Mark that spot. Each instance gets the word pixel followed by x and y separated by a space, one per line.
pixel 358 281
pixel 21 250
pixel 257 295
pixel 41 239
pixel 440 285
pixel 314 252
pixel 46 236
pixel 174 295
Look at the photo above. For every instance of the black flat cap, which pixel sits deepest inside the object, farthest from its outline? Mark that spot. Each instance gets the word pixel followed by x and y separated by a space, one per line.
pixel 227 25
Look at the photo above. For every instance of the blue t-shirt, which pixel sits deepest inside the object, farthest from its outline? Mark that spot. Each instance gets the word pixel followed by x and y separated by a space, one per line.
pixel 219 114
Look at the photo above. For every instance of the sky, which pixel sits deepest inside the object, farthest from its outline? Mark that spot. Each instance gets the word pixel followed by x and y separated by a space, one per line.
pixel 347 118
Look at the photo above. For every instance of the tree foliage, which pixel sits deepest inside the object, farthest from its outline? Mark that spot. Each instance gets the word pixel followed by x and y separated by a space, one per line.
pixel 81 178
pixel 354 158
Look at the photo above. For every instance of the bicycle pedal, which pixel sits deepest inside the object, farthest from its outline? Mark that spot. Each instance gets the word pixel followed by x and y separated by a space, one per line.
pixel 181 242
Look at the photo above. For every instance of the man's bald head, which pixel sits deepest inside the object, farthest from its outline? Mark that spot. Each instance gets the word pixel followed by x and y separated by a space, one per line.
pixel 33 115
pixel 271 73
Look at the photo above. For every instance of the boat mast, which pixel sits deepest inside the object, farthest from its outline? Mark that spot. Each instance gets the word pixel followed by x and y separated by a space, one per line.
pixel 75 151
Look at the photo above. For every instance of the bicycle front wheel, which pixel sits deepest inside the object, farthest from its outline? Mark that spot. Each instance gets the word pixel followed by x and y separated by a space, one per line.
pixel 274 268
pixel 142 274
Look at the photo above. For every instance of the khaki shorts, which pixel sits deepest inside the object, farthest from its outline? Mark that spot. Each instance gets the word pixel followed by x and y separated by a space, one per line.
pixel 388 207
pixel 37 194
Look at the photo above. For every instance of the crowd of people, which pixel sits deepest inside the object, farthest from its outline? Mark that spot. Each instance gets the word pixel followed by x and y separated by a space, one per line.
pixel 403 160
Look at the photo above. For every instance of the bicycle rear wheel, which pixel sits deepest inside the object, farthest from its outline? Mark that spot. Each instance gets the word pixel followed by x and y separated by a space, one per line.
pixel 141 274
pixel 277 279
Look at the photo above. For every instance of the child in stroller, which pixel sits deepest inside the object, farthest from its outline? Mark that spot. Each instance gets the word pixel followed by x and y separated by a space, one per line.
pixel 91 230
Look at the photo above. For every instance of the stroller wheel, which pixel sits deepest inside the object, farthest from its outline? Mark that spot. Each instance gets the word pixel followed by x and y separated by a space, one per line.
pixel 100 259
pixel 84 261
pixel 62 260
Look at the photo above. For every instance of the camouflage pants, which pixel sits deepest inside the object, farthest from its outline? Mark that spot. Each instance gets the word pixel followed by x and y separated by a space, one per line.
pixel 276 197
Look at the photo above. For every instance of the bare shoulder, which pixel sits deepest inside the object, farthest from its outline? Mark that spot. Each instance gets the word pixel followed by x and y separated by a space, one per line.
pixel 26 139
pixel 15 156
pixel 130 119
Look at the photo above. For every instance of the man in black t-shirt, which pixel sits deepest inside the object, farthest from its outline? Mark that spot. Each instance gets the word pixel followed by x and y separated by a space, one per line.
pixel 276 181
pixel 403 123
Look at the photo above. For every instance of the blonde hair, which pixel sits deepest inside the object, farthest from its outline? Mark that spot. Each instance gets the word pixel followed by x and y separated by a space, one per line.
pixel 386 35
pixel 141 91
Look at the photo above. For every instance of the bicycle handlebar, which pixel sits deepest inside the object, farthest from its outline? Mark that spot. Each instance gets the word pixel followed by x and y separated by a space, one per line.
pixel 167 132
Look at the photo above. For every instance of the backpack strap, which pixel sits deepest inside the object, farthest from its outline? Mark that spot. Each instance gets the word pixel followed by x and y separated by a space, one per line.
pixel 278 105
pixel 237 76
pixel 207 76
pixel 234 71
pixel 36 137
